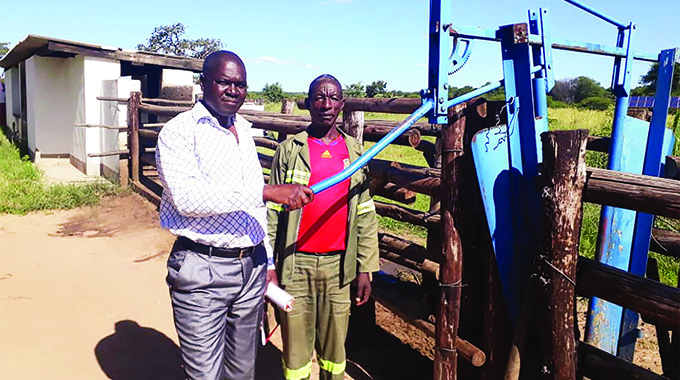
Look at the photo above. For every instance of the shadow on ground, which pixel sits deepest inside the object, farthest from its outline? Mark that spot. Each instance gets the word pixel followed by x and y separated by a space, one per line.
pixel 134 352
pixel 375 354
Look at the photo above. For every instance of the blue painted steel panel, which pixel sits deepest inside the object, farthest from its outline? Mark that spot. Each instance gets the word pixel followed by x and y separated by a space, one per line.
pixel 658 137
pixel 615 240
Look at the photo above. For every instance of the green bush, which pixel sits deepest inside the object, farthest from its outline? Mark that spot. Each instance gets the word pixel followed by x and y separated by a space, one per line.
pixel 552 103
pixel 595 103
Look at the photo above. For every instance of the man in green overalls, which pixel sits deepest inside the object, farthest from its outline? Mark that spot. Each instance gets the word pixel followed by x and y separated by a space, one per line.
pixel 326 245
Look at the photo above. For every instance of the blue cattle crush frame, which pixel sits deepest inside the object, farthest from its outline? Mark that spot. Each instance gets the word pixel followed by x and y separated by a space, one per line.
pixel 506 175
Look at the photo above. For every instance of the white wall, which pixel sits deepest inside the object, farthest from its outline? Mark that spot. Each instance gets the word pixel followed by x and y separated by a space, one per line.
pixel 114 113
pixel 12 97
pixel 53 102
pixel 89 140
pixel 172 77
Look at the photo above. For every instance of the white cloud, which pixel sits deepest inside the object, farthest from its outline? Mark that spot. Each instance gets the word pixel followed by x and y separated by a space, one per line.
pixel 422 64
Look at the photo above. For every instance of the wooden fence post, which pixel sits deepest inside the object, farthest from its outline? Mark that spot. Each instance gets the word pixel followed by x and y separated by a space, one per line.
pixel 353 123
pixel 287 106
pixel 564 174
pixel 133 134
pixel 451 266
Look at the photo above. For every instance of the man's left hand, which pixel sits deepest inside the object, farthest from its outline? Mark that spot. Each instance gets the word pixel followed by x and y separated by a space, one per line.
pixel 363 284
pixel 272 278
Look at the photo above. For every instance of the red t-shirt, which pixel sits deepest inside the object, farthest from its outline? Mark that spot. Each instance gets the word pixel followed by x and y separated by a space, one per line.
pixel 323 227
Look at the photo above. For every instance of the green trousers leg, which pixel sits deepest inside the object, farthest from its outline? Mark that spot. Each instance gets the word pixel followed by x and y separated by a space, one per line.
pixel 318 320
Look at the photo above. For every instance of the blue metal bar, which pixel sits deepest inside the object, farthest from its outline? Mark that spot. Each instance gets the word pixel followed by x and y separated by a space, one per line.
pixel 540 82
pixel 473 32
pixel 396 132
pixel 438 62
pixel 473 94
pixel 546 51
pixel 374 150
pixel 596 13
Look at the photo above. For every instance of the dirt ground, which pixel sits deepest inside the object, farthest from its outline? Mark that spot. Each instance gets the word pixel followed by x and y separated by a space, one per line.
pixel 83 296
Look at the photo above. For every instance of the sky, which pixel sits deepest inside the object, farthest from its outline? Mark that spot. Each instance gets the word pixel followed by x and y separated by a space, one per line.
pixel 292 42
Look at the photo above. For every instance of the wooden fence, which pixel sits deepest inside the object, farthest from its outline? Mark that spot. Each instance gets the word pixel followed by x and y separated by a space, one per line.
pixel 460 282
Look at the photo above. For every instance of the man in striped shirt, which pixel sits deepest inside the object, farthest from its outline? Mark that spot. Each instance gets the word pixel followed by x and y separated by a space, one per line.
pixel 213 200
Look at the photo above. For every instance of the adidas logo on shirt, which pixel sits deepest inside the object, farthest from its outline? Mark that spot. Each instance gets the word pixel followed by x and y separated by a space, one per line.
pixel 326 154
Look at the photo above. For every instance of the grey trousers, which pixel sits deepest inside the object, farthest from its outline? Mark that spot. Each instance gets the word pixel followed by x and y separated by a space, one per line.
pixel 217 306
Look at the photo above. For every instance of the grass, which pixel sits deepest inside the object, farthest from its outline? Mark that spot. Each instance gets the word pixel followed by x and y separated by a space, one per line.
pixel 22 188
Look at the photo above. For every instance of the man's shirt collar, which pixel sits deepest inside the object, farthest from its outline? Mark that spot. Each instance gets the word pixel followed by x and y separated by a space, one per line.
pixel 200 113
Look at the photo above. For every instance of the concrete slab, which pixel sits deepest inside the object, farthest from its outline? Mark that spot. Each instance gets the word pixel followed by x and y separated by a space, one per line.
pixel 60 170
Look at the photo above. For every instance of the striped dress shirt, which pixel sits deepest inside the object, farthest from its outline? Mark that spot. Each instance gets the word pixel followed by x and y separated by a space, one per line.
pixel 212 183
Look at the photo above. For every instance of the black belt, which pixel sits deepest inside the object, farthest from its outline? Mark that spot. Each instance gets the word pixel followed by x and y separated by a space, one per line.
pixel 215 251
pixel 330 253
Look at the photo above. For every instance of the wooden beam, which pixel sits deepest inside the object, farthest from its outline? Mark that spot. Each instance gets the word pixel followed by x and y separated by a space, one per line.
pixel 658 196
pixel 408 215
pixel 265 142
pixel 415 312
pixel 564 167
pixel 393 105
pixel 451 264
pixel 410 250
pixel 416 178
pixel 666 243
pixel 596 364
pixel 169 102
pixel 162 110
pixel 133 134
pixel 123 154
pixel 656 302
pixel 392 191
pixel 120 128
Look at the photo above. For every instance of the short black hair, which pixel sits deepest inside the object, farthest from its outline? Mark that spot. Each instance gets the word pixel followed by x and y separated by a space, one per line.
pixel 324 78
pixel 214 59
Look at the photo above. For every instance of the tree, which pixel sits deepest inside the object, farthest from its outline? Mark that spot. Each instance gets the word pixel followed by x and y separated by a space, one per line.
pixel 585 87
pixel 272 92
pixel 167 39
pixel 354 90
pixel 4 48
pixel 648 81
pixel 375 88
pixel 563 91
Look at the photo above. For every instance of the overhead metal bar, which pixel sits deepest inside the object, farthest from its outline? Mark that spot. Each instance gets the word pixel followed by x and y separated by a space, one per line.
pixel 487 34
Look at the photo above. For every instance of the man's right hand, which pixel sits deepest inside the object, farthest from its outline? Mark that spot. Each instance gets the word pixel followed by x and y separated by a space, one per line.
pixel 291 195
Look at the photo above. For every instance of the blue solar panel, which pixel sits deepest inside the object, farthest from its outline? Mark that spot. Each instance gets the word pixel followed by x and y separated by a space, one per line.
pixel 648 102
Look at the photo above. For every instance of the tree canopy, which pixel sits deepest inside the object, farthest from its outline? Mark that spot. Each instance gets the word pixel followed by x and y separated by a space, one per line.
pixel 354 90
pixel 273 92
pixel 648 81
pixel 167 39
pixel 376 88
pixel 4 48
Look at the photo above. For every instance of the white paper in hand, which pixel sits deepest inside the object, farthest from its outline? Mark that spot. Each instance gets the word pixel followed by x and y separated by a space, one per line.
pixel 279 297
